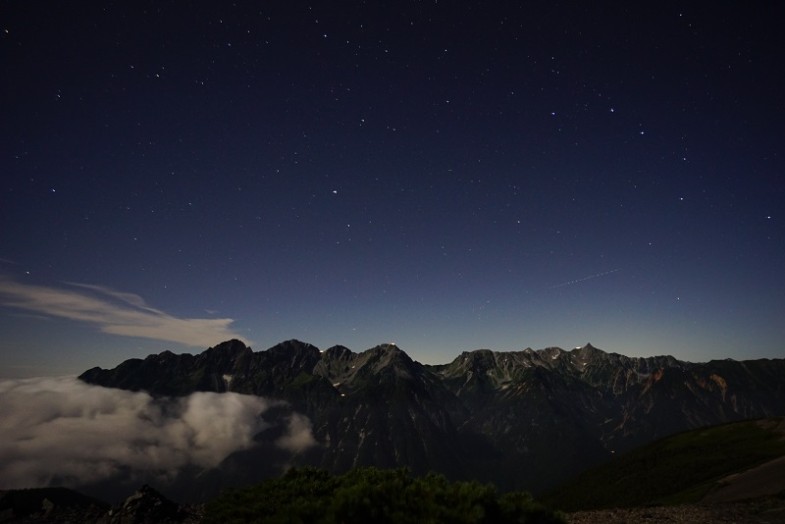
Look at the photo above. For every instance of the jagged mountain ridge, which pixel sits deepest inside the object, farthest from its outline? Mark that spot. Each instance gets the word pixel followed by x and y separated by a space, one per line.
pixel 525 419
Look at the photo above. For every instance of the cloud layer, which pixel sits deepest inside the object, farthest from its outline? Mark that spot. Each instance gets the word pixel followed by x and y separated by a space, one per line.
pixel 65 431
pixel 114 312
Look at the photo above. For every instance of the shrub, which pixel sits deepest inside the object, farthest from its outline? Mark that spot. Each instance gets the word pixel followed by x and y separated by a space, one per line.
pixel 373 495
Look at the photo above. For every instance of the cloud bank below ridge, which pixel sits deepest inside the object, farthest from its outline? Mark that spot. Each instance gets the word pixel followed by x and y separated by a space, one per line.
pixel 65 432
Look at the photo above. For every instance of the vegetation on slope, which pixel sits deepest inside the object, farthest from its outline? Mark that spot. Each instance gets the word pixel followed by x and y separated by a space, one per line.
pixel 309 495
pixel 676 470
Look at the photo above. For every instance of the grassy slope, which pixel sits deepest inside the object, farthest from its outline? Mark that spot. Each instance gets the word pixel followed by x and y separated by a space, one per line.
pixel 676 470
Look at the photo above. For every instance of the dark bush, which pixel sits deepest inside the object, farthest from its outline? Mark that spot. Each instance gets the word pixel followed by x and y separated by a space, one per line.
pixel 373 495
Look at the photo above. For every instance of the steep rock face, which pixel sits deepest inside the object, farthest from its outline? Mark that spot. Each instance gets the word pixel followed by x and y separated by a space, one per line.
pixel 391 412
pixel 524 419
pixel 533 409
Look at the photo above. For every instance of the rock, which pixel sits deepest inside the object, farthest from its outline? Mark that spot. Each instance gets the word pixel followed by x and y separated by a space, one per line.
pixel 148 506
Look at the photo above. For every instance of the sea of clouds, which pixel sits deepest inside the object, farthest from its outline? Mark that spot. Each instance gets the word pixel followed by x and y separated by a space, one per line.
pixel 63 431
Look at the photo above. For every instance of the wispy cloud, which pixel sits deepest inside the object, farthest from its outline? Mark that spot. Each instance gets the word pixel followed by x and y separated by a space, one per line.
pixel 115 312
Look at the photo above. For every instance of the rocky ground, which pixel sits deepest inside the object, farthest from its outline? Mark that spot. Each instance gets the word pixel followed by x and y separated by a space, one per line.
pixel 770 510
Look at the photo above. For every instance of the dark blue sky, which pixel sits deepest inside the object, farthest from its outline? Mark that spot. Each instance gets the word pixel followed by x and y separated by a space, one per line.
pixel 444 175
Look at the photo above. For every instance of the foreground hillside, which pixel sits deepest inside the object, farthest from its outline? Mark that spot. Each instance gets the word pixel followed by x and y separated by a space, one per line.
pixel 729 473
pixel 717 464
pixel 301 495
pixel 522 420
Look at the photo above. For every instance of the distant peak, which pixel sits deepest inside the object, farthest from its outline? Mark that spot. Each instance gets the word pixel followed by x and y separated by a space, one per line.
pixel 389 352
pixel 233 345
pixel 386 347
pixel 552 352
pixel 335 351
pixel 294 348
pixel 292 345
pixel 479 356
pixel 587 351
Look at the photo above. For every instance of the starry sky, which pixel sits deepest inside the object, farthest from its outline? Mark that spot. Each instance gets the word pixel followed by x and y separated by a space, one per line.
pixel 443 175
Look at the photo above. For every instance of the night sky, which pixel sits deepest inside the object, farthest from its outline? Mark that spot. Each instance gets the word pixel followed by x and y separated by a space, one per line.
pixel 443 175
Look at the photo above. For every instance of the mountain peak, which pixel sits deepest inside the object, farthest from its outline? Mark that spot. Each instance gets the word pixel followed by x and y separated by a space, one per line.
pixel 337 351
pixel 479 360
pixel 294 347
pixel 520 417
pixel 587 351
pixel 292 344
pixel 389 352
pixel 551 353
pixel 386 346
pixel 233 345
pixel 383 358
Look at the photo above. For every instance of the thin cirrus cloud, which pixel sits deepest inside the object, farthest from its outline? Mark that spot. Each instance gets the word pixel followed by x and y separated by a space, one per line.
pixel 114 312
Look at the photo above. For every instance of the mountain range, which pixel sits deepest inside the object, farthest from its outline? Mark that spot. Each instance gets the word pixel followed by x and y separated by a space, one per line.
pixel 527 419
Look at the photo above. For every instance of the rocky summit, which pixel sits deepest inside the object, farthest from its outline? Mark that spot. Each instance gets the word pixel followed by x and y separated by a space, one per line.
pixel 522 420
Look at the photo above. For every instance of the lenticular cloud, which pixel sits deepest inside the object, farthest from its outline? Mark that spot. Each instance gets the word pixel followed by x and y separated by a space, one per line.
pixel 63 430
